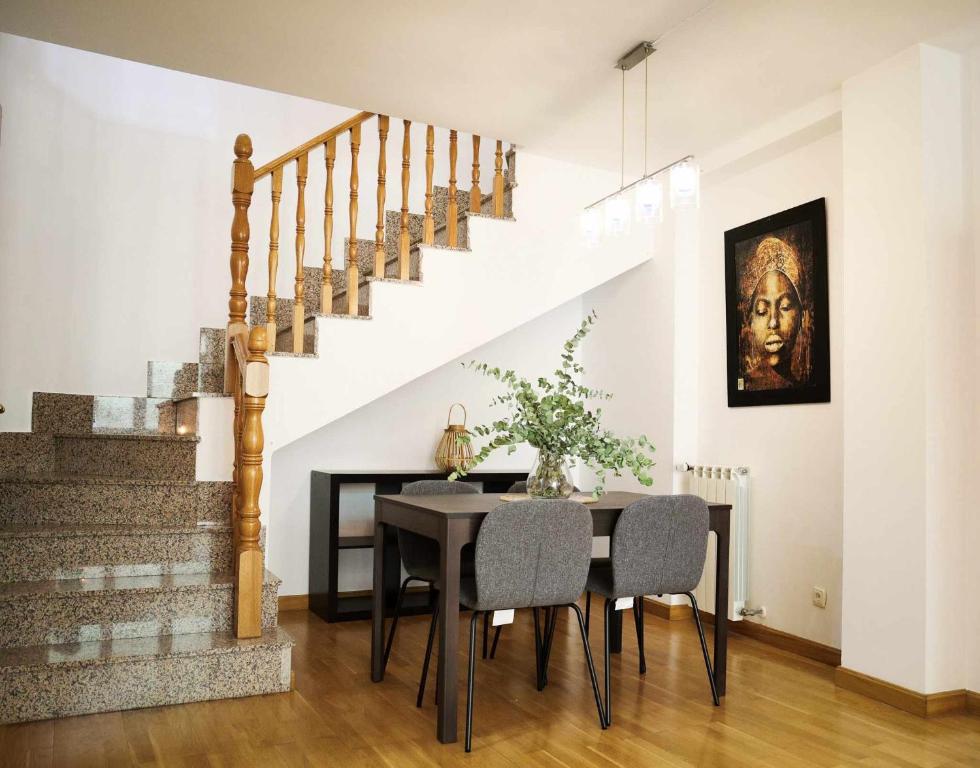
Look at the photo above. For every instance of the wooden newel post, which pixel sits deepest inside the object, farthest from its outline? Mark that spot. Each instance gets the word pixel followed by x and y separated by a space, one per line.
pixel 248 554
pixel 242 182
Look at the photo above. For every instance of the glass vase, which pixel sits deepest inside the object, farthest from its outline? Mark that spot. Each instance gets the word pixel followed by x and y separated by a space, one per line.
pixel 549 478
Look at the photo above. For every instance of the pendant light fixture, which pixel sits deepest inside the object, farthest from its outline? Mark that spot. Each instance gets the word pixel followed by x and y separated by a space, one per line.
pixel 612 215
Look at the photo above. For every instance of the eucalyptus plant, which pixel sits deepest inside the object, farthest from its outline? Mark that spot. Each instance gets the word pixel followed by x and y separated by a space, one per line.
pixel 553 415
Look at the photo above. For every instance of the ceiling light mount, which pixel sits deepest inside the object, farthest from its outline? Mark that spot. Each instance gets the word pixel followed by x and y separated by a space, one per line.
pixel 636 56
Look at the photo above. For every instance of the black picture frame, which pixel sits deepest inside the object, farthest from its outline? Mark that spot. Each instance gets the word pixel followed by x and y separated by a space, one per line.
pixel 793 243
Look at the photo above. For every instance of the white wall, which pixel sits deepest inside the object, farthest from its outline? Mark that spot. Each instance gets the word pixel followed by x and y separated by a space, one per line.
pixel 401 431
pixel 910 395
pixel 115 211
pixel 971 541
pixel 664 343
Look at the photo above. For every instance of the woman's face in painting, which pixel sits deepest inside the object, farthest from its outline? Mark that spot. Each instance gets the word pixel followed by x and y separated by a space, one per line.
pixel 775 320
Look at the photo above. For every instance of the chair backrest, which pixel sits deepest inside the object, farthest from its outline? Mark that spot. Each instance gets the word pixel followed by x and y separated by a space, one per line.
pixel 417 551
pixel 659 545
pixel 533 553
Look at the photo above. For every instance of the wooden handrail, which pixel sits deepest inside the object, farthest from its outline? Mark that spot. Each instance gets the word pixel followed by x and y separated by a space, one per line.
pixel 302 149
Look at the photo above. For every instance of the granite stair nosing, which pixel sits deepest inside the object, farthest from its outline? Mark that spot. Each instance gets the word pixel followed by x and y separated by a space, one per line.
pixel 62 680
pixel 84 610
pixel 45 553
pixel 59 499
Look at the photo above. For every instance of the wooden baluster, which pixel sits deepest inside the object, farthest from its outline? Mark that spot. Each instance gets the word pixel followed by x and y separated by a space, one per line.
pixel 353 276
pixel 403 271
pixel 498 181
pixel 243 181
pixel 299 310
pixel 476 197
pixel 270 307
pixel 236 471
pixel 326 283
pixel 429 227
pixel 452 209
pixel 379 230
pixel 248 554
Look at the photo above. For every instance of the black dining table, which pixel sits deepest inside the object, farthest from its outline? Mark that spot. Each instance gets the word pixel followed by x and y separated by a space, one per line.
pixel 454 521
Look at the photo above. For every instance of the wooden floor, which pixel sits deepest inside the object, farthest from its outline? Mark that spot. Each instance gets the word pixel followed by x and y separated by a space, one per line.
pixel 781 710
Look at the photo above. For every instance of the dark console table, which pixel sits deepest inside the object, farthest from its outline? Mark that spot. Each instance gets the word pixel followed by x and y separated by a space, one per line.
pixel 326 542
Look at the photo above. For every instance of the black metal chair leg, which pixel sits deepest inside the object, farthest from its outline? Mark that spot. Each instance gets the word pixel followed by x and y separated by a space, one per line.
pixel 428 655
pixel 588 610
pixel 638 620
pixel 394 621
pixel 496 637
pixel 606 661
pixel 486 633
pixel 704 647
pixel 588 660
pixel 469 683
pixel 537 646
pixel 549 633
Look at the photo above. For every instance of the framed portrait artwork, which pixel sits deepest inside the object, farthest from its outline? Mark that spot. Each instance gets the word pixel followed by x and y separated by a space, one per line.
pixel 776 301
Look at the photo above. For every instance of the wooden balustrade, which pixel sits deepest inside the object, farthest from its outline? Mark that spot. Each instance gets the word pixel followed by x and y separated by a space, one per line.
pixel 326 282
pixel 403 271
pixel 476 197
pixel 246 368
pixel 353 275
pixel 429 225
pixel 498 181
pixel 299 309
pixel 452 207
pixel 379 231
pixel 273 253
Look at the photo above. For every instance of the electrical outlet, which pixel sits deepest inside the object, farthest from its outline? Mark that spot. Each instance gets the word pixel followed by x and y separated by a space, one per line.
pixel 820 597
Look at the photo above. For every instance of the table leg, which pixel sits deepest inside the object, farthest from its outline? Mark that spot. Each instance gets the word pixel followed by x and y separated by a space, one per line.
pixel 451 545
pixel 616 632
pixel 721 605
pixel 378 604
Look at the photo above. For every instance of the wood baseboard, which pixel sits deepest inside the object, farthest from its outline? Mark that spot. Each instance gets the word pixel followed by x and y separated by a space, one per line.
pixel 921 704
pixel 973 702
pixel 294 603
pixel 809 649
pixel 669 612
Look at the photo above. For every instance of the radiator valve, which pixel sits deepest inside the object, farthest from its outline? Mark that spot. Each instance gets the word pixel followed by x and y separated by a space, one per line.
pixel 760 612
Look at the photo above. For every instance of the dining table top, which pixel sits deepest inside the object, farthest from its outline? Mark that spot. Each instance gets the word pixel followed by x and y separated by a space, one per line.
pixel 464 505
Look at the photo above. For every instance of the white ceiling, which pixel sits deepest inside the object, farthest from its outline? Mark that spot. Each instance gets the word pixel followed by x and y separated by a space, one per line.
pixel 534 72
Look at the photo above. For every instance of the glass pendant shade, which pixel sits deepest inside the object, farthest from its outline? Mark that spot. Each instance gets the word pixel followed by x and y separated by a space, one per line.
pixel 591 224
pixel 684 184
pixel 617 216
pixel 650 200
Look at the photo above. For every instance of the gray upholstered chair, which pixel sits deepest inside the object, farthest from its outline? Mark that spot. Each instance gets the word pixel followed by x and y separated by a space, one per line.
pixel 657 548
pixel 529 554
pixel 420 554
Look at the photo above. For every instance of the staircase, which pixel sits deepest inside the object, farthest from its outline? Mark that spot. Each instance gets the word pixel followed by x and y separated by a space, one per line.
pixel 127 582
pixel 116 565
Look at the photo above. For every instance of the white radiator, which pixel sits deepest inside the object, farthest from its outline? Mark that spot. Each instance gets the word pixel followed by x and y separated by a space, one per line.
pixel 728 485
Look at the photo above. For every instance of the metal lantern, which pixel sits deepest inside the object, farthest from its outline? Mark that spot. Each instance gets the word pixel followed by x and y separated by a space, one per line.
pixel 454 452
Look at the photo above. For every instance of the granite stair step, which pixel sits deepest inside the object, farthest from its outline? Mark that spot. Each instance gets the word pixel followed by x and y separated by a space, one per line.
pixel 169 380
pixel 68 414
pixel 88 610
pixel 39 553
pixel 50 499
pixel 48 681
pixel 153 457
